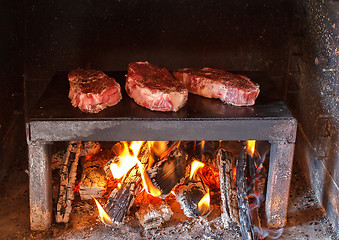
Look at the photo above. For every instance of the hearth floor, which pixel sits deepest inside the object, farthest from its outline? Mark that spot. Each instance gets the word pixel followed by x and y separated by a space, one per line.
pixel 306 217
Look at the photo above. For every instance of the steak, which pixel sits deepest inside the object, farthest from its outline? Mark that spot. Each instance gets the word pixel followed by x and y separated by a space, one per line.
pixel 154 87
pixel 230 88
pixel 92 90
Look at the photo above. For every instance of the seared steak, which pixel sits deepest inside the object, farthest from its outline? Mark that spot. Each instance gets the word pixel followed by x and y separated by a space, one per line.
pixel 230 88
pixel 154 87
pixel 92 90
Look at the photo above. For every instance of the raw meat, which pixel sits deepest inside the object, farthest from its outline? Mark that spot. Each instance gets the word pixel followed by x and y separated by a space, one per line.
pixel 230 88
pixel 92 90
pixel 154 88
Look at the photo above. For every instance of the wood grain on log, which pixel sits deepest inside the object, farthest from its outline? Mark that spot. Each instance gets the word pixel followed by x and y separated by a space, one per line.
pixel 228 188
pixel 68 173
pixel 169 172
pixel 246 226
pixel 93 179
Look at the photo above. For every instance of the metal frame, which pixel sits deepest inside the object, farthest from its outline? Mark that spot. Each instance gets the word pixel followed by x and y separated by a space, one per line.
pixel 280 133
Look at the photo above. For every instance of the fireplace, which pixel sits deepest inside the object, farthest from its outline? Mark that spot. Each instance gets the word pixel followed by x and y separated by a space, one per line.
pixel 289 48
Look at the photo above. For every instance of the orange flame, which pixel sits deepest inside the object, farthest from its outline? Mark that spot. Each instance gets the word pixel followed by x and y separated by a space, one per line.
pixel 204 204
pixel 147 183
pixel 202 146
pixel 128 159
pixel 103 215
pixel 195 167
pixel 251 147
pixel 158 147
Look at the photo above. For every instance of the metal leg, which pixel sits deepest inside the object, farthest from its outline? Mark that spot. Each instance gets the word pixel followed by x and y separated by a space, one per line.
pixel 39 186
pixel 278 183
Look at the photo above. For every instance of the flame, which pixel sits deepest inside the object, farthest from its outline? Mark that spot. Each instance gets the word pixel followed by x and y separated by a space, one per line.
pixel 147 183
pixel 128 159
pixel 202 145
pixel 158 147
pixel 102 214
pixel 204 204
pixel 195 167
pixel 251 147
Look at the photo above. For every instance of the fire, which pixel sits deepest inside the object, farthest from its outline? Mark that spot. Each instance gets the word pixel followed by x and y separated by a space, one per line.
pixel 128 159
pixel 204 204
pixel 103 215
pixel 195 167
pixel 158 147
pixel 202 145
pixel 251 146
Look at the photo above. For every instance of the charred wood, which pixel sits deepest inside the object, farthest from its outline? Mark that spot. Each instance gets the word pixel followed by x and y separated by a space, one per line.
pixel 245 220
pixel 228 188
pixel 204 151
pixel 153 212
pixel 93 179
pixel 68 174
pixel 121 199
pixel 189 195
pixel 169 172
pixel 57 159
pixel 90 148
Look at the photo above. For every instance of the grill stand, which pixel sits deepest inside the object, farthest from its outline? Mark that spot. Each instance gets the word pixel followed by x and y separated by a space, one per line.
pixel 54 119
pixel 281 158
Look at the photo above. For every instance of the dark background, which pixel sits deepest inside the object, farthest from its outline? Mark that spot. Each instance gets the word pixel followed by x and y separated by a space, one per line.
pixel 294 42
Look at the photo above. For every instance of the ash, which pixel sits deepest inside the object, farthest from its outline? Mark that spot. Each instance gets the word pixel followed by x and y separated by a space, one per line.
pixel 197 228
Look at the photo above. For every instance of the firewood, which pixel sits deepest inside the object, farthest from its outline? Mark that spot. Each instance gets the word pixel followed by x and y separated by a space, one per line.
pixel 189 195
pixel 93 179
pixel 121 199
pixel 57 159
pixel 90 148
pixel 205 151
pixel 153 212
pixel 68 173
pixel 245 220
pixel 228 188
pixel 169 171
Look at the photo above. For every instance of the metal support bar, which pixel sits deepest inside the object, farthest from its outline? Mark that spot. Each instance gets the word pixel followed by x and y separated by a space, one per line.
pixel 40 185
pixel 278 182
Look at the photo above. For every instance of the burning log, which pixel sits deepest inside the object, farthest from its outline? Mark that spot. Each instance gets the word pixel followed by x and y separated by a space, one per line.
pixel 169 172
pixel 93 179
pixel 190 194
pixel 228 188
pixel 121 199
pixel 246 226
pixel 153 212
pixel 205 151
pixel 68 173
pixel 90 148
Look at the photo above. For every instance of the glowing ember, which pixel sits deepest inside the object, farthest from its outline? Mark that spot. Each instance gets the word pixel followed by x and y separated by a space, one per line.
pixel 103 215
pixel 195 167
pixel 128 159
pixel 234 174
pixel 251 146
pixel 204 204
